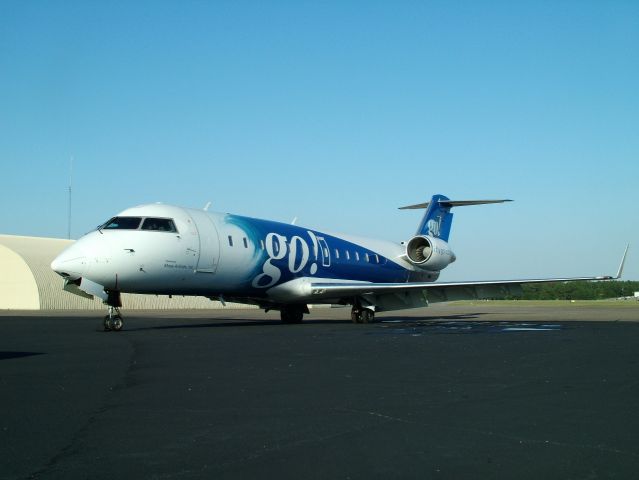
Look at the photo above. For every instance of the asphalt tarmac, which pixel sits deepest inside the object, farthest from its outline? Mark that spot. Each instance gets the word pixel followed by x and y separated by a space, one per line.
pixel 448 392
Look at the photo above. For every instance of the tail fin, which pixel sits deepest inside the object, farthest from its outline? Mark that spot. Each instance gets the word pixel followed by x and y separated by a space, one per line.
pixel 437 220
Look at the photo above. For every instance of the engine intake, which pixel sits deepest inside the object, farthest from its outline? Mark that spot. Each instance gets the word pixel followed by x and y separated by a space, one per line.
pixel 429 253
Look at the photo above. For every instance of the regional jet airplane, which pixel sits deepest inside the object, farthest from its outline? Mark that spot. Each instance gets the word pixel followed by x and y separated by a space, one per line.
pixel 168 250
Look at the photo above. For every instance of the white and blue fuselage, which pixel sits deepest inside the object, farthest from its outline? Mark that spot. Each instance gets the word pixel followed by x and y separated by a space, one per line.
pixel 226 256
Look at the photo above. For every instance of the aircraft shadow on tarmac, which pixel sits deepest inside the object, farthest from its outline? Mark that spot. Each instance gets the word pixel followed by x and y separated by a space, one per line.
pixel 413 321
pixel 228 323
pixel 10 355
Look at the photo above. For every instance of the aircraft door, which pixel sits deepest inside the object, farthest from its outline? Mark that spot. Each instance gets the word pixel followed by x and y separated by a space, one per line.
pixel 209 253
pixel 326 253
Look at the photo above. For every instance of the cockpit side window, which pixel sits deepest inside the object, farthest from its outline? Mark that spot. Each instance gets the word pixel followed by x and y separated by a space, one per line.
pixel 122 223
pixel 159 224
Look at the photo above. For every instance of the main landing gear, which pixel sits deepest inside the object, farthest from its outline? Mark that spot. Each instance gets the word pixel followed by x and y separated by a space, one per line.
pixel 113 319
pixel 362 315
pixel 293 313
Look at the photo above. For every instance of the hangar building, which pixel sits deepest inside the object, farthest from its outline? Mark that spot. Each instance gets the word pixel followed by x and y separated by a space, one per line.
pixel 28 283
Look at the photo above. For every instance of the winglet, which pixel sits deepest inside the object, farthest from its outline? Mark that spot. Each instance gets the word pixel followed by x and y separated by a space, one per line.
pixel 623 261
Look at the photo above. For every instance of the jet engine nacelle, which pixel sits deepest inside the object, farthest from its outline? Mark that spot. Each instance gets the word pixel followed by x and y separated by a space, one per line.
pixel 429 253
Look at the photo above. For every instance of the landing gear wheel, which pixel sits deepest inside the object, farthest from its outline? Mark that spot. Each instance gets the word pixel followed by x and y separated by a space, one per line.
pixel 117 323
pixel 113 320
pixel 366 315
pixel 355 315
pixel 292 315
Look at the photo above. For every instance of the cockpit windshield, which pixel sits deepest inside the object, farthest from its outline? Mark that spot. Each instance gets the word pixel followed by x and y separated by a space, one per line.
pixel 140 223
pixel 122 223
pixel 159 224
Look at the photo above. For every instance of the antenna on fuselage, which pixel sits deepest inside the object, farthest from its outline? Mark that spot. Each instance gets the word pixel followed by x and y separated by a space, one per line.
pixel 206 207
pixel 294 221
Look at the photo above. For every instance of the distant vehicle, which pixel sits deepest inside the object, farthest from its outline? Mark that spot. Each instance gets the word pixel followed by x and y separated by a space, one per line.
pixel 168 250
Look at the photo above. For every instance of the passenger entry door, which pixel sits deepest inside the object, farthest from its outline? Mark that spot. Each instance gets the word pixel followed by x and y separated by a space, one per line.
pixel 209 254
pixel 326 253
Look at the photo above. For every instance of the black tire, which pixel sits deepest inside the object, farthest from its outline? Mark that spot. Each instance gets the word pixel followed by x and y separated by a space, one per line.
pixel 366 316
pixel 291 315
pixel 117 323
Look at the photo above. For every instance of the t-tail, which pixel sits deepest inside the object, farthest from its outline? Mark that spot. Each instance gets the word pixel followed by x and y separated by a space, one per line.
pixel 438 220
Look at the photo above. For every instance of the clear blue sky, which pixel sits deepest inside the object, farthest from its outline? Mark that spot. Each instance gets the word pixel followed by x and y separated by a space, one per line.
pixel 337 113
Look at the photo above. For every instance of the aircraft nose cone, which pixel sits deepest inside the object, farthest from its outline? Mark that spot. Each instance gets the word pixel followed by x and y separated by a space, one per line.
pixel 70 264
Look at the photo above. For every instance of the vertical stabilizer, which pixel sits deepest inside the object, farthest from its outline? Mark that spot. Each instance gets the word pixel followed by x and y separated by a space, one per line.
pixel 437 219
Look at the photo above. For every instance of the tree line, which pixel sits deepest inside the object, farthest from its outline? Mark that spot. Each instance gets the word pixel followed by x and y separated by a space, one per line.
pixel 579 290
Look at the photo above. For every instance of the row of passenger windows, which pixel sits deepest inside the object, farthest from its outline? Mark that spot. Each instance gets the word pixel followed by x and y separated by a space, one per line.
pixel 244 242
pixel 133 223
pixel 167 225
pixel 369 258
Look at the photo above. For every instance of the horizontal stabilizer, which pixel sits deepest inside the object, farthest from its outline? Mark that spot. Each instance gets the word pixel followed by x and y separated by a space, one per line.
pixel 453 203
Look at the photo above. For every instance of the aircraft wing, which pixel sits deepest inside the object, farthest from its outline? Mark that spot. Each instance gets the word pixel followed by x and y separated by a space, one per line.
pixel 444 291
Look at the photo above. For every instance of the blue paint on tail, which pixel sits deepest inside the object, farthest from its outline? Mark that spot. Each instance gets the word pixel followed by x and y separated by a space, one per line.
pixel 437 219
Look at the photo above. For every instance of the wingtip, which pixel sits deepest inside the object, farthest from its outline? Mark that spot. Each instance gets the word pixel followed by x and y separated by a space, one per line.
pixel 623 262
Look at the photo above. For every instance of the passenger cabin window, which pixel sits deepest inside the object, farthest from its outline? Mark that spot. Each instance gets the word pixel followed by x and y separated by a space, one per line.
pixel 245 242
pixel 357 256
pixel 159 225
pixel 367 258
pixel 122 223
pixel 336 253
pixel 348 255
pixel 230 241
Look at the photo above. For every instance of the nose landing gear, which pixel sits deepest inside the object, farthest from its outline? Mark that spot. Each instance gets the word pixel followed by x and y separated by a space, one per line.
pixel 113 319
